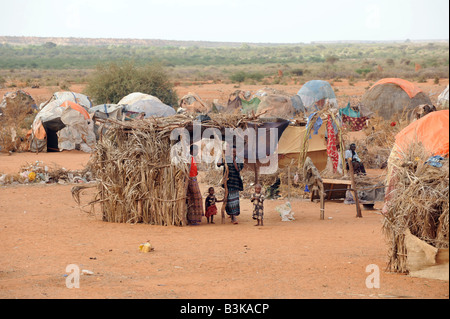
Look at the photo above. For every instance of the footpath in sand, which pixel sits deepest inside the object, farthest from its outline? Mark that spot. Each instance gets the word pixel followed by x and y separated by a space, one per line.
pixel 42 231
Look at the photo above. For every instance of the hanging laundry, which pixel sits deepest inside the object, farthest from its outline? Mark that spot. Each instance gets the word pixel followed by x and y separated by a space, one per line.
pixel 331 144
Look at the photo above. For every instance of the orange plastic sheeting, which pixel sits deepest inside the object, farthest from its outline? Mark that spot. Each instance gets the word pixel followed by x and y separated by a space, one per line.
pixel 76 107
pixel 39 131
pixel 407 86
pixel 431 130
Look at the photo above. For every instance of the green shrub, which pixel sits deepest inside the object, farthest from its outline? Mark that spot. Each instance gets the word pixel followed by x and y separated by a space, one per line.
pixel 238 77
pixel 257 76
pixel 363 71
pixel 112 81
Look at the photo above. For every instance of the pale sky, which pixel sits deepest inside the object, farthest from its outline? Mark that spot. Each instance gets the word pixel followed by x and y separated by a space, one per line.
pixel 254 21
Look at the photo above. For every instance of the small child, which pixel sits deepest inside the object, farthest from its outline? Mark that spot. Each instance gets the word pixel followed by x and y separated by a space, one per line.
pixel 258 207
pixel 210 205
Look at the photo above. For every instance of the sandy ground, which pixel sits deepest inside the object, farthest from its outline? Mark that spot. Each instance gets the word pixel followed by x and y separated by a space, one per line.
pixel 42 231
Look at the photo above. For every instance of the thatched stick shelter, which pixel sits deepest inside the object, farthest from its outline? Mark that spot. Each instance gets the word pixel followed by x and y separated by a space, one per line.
pixel 417 204
pixel 140 178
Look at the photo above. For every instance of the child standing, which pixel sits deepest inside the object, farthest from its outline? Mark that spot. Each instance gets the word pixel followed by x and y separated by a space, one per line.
pixel 258 207
pixel 210 205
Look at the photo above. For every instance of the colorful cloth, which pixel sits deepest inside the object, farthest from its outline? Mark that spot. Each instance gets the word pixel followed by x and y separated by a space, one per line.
pixel 316 126
pixel 232 207
pixel 331 144
pixel 194 202
pixel 258 206
pixel 355 123
pixel 210 206
pixel 348 111
pixel 193 169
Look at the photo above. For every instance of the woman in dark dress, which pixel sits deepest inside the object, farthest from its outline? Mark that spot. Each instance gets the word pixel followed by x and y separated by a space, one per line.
pixel 234 185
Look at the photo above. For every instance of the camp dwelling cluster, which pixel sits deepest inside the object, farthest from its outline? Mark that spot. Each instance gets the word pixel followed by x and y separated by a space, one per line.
pixel 140 179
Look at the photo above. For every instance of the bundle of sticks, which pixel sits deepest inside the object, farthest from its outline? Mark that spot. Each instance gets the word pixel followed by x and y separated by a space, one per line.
pixel 418 201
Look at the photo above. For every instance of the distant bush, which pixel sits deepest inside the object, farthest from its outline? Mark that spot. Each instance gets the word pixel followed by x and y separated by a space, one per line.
pixel 111 82
pixel 238 77
pixel 257 76
pixel 363 71
pixel 297 72
pixel 390 62
pixel 332 59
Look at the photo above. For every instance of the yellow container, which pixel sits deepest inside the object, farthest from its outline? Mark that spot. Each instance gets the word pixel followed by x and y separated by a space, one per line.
pixel 31 176
pixel 145 248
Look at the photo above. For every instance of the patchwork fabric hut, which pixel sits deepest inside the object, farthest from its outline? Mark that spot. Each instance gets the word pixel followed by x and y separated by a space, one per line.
pixel 316 94
pixel 137 103
pixel 66 126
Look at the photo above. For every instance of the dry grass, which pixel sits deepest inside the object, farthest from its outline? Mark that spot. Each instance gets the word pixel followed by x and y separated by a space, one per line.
pixel 419 202
pixel 14 123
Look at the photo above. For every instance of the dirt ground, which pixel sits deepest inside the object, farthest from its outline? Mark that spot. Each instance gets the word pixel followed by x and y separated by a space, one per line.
pixel 42 231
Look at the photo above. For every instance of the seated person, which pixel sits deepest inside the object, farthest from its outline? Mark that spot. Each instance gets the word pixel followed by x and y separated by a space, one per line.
pixel 358 166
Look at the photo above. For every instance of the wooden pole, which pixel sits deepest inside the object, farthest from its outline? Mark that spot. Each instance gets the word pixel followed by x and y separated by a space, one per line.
pixel 102 204
pixel 225 196
pixel 184 204
pixel 355 192
pixel 289 183
pixel 140 211
pixel 322 201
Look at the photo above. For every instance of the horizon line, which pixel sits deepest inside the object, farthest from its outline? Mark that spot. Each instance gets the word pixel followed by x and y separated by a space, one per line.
pixel 230 42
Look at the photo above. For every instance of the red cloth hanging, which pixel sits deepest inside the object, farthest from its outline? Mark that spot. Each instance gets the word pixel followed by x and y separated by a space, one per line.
pixel 331 144
pixel 193 171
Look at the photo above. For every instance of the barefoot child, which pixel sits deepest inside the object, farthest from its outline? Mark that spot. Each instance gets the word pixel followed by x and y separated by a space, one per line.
pixel 258 207
pixel 210 205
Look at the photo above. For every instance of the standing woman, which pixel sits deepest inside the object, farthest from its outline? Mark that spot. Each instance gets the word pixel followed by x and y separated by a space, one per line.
pixel 234 185
pixel 194 195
